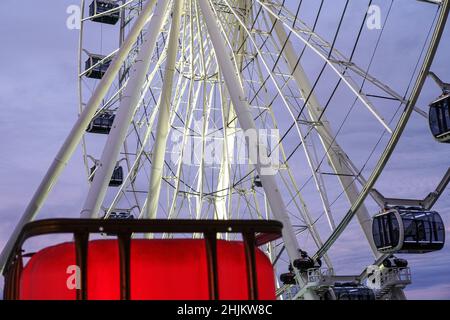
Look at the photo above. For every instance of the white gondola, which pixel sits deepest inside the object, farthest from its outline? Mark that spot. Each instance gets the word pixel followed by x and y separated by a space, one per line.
pixel 406 230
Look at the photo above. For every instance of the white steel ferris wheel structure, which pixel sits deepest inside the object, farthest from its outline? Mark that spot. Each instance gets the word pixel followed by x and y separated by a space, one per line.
pixel 170 111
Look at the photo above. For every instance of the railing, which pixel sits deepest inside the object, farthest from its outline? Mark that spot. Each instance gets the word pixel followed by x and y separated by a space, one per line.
pixel 395 276
pixel 319 276
pixel 254 234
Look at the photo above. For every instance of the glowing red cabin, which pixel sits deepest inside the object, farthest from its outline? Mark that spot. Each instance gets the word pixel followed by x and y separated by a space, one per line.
pixel 140 269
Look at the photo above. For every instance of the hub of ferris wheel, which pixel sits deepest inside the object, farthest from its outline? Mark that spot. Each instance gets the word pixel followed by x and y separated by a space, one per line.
pixel 171 105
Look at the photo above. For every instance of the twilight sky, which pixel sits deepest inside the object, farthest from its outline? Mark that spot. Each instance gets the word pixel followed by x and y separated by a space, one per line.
pixel 38 103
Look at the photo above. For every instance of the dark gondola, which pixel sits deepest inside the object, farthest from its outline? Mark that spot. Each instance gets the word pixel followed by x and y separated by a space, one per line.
pixel 100 6
pixel 102 123
pixel 406 230
pixel 116 179
pixel 288 278
pixel 96 70
pixel 305 262
pixel 439 118
pixel 257 182
pixel 121 216
pixel 394 262
pixel 350 292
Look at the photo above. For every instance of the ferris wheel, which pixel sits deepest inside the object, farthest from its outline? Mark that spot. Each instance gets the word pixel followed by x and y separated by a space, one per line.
pixel 235 110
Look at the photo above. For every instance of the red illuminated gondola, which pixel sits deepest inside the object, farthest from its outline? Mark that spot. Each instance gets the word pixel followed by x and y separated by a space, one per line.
pixel 142 269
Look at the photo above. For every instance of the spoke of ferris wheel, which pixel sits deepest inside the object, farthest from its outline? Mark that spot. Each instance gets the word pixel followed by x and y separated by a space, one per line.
pixel 247 123
pixel 188 121
pixel 414 95
pixel 335 154
pixel 223 182
pixel 105 107
pixel 192 101
pixel 141 143
pixel 128 163
pixel 77 132
pixel 125 112
pixel 318 242
pixel 182 83
pixel 304 210
pixel 164 115
pixel 336 57
pixel 193 98
pixel 205 118
pixel 223 199
pixel 188 118
pixel 80 94
pixel 311 155
pixel 311 162
pixel 227 110
pixel 187 125
pixel 312 142
pixel 351 84
pixel 139 154
pixel 229 130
